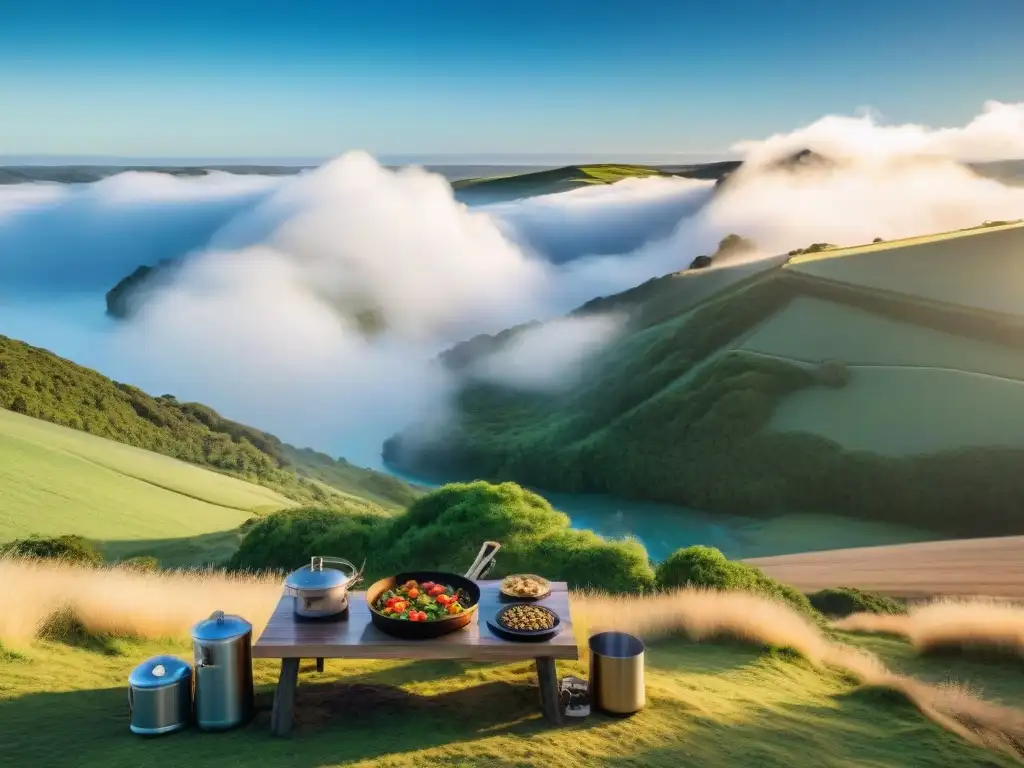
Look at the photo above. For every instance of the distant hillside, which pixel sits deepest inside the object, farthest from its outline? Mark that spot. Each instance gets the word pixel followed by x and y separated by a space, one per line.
pixel 781 392
pixel 38 383
pixel 496 189
pixel 86 174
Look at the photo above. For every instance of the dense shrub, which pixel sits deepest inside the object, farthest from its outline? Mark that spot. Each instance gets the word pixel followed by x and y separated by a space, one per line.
pixel 73 549
pixel 444 530
pixel 288 539
pixel 707 567
pixel 842 601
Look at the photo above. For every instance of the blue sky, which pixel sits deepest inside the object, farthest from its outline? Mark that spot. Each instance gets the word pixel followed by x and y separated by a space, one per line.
pixel 223 78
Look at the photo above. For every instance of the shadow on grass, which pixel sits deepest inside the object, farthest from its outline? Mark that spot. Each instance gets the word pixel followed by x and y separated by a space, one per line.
pixel 336 722
pixel 869 727
pixel 353 720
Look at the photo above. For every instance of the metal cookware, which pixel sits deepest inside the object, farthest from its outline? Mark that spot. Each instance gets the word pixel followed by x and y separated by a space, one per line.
pixel 468 590
pixel 617 673
pixel 321 592
pixel 224 695
pixel 160 696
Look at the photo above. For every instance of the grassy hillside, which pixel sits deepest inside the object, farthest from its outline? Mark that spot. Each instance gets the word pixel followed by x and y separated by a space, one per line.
pixel 550 181
pixel 980 267
pixel 37 383
pixel 677 411
pixel 56 481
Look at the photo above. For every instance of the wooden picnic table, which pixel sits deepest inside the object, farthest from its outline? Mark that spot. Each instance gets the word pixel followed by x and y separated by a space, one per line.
pixel 291 640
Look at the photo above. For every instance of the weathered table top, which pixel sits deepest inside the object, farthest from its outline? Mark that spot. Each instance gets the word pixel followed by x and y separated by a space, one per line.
pixel 357 638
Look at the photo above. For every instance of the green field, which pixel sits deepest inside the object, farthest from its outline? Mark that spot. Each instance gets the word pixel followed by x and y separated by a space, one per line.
pixel 55 481
pixel 709 705
pixel 982 268
pixel 904 411
pixel 811 330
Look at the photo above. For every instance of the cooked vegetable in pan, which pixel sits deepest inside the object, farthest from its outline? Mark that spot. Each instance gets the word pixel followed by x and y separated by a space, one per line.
pixel 420 602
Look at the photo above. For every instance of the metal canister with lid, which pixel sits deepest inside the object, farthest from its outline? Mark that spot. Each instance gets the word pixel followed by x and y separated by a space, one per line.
pixel 224 696
pixel 160 696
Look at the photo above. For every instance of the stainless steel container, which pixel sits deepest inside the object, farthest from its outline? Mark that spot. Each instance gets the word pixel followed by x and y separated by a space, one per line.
pixel 617 673
pixel 160 696
pixel 224 694
pixel 322 592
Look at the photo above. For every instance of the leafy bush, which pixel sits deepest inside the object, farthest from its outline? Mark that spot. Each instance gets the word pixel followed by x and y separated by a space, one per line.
pixel 289 538
pixel 74 549
pixel 707 567
pixel 444 530
pixel 842 601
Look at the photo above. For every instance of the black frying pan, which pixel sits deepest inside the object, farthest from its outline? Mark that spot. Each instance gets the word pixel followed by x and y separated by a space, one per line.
pixel 424 630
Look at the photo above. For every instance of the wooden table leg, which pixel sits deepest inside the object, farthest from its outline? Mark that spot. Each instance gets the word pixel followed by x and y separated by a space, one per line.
pixel 547 678
pixel 283 714
pixel 319 665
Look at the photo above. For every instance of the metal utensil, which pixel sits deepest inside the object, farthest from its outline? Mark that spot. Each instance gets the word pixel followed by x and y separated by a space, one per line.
pixel 484 560
pixel 320 592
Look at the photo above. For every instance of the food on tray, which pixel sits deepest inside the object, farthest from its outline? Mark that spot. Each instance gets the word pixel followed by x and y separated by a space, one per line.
pixel 420 602
pixel 527 618
pixel 524 586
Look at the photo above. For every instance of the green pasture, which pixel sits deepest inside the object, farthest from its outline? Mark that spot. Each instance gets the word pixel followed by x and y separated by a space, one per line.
pixel 897 411
pixel 710 705
pixel 55 481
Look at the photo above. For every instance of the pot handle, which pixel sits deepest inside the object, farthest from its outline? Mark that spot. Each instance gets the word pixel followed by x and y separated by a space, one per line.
pixel 317 563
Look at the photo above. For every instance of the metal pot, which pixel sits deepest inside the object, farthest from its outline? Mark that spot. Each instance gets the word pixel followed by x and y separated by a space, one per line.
pixel 160 696
pixel 224 691
pixel 321 592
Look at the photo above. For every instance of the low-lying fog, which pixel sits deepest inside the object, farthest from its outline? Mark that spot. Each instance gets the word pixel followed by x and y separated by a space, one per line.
pixel 251 325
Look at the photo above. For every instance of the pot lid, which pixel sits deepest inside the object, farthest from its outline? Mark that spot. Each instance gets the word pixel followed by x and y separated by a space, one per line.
pixel 316 576
pixel 220 626
pixel 159 671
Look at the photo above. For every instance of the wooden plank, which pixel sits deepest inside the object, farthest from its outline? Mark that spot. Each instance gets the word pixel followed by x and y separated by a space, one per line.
pixel 357 638
pixel 282 716
pixel 547 679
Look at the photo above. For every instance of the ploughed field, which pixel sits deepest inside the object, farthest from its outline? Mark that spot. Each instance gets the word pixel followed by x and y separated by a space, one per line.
pixel 989 566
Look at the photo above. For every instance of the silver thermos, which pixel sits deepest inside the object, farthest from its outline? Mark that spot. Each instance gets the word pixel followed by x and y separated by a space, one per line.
pixel 160 696
pixel 223 671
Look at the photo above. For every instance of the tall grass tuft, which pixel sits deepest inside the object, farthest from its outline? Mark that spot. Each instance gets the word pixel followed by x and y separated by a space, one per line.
pixel 124 602
pixel 985 626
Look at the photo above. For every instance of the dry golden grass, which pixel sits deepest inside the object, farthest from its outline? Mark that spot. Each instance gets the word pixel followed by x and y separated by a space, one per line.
pixel 113 601
pixel 706 614
pixel 971 625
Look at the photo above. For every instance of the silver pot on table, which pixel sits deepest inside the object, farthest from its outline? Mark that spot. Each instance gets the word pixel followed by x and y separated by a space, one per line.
pixel 319 591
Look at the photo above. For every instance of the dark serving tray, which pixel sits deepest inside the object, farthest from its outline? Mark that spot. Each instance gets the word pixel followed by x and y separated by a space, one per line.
pixel 533 636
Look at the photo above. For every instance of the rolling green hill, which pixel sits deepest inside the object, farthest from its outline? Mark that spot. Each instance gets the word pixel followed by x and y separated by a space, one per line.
pixel 56 481
pixel 498 188
pixel 37 383
pixel 681 409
